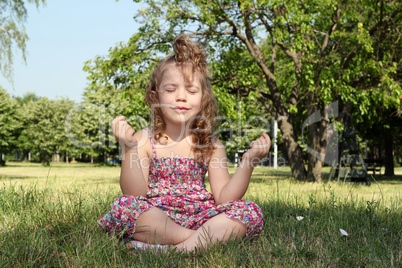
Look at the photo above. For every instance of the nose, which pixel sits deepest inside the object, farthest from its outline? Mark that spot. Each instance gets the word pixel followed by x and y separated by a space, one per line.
pixel 181 96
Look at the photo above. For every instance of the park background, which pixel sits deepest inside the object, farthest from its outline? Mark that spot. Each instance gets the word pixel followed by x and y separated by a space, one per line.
pixel 271 62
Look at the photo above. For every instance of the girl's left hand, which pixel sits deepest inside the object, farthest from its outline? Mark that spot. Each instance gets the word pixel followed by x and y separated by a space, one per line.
pixel 259 149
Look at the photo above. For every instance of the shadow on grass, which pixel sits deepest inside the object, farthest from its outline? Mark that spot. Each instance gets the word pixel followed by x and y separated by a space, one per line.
pixel 396 179
pixel 11 177
pixel 386 178
pixel 24 164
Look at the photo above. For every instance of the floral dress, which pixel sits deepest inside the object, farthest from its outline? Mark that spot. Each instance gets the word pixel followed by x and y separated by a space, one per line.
pixel 176 186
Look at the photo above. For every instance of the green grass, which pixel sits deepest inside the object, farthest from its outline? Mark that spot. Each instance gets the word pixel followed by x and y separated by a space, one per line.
pixel 48 218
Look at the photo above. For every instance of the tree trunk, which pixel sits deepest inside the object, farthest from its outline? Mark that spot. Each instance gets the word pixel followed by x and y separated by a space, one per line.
pixel 318 144
pixel 314 148
pixel 2 162
pixel 46 159
pixel 289 139
pixel 292 149
pixel 324 143
pixel 314 163
pixel 389 153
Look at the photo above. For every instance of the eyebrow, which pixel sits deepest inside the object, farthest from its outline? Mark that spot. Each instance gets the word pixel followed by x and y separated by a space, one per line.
pixel 169 84
pixel 192 85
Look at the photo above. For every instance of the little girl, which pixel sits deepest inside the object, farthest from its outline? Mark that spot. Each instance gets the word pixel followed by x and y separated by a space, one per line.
pixel 164 200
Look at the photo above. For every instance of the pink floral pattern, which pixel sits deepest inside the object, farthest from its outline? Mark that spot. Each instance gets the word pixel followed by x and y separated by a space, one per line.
pixel 176 186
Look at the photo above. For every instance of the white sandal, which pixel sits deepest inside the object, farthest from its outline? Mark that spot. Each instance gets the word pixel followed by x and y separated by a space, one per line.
pixel 138 245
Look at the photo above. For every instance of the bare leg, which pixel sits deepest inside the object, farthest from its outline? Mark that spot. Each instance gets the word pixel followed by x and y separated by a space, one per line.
pixel 218 228
pixel 155 227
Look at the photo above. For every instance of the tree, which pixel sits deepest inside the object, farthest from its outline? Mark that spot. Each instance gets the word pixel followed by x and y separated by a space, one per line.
pixel 88 124
pixel 119 74
pixel 24 144
pixel 371 72
pixel 234 84
pixel 9 124
pixel 326 45
pixel 384 136
pixel 13 15
pixel 45 128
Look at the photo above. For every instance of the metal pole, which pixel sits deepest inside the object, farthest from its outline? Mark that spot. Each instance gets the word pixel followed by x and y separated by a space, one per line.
pixel 274 138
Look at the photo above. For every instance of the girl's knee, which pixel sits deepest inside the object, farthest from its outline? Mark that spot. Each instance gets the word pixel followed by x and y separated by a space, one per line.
pixel 249 213
pixel 247 207
pixel 125 200
pixel 128 207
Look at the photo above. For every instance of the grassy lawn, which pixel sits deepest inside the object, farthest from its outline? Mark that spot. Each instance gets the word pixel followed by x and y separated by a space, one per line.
pixel 48 218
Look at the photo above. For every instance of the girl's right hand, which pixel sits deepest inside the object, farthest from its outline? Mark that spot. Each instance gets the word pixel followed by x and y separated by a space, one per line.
pixel 123 132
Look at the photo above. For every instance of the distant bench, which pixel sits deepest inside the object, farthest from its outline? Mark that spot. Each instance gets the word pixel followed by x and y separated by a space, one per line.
pixel 374 165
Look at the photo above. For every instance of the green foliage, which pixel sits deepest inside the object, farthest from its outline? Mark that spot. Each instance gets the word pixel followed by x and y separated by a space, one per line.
pixel 12 32
pixel 24 144
pixel 9 124
pixel 297 56
pixel 43 132
pixel 236 80
pixel 87 125
pixel 369 49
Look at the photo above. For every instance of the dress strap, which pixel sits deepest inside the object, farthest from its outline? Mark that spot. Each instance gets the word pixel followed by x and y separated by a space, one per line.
pixel 148 131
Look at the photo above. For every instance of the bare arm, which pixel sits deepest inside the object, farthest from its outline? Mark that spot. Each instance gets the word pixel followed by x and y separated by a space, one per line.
pixel 135 161
pixel 223 187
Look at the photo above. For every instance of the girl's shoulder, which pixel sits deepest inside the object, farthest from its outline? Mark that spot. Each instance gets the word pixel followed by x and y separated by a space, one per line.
pixel 144 143
pixel 218 143
pixel 219 150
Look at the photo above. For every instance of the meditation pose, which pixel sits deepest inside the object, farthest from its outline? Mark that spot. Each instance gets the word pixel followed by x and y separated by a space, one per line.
pixel 165 202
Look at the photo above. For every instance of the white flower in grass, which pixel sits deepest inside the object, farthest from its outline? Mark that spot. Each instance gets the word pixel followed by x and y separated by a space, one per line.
pixel 299 218
pixel 343 232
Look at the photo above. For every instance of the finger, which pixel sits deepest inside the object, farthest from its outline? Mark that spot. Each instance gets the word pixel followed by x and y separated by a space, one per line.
pixel 264 140
pixel 129 131
pixel 116 121
pixel 263 143
pixel 266 137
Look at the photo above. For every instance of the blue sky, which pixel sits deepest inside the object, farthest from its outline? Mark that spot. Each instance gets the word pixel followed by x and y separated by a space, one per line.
pixel 62 36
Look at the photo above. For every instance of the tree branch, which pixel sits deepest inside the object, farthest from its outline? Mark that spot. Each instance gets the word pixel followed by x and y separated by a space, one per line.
pixel 273 41
pixel 335 19
pixel 385 21
pixel 292 55
pixel 253 48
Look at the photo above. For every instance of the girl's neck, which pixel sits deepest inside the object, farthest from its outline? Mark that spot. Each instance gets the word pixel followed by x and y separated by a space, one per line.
pixel 177 134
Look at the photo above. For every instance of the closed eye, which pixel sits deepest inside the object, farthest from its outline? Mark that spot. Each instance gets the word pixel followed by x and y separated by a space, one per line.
pixel 192 90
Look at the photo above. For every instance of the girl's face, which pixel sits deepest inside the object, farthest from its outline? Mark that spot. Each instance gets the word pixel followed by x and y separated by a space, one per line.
pixel 180 100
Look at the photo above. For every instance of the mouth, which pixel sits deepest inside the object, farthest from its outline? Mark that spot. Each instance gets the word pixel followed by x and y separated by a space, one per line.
pixel 180 109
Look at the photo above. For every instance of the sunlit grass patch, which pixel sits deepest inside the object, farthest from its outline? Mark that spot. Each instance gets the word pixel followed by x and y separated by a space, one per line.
pixel 51 221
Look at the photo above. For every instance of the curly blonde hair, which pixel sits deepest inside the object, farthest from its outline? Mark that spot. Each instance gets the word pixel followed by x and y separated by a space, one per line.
pixel 187 53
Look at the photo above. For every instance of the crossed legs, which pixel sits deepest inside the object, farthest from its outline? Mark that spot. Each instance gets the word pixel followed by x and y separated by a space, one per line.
pixel 155 227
